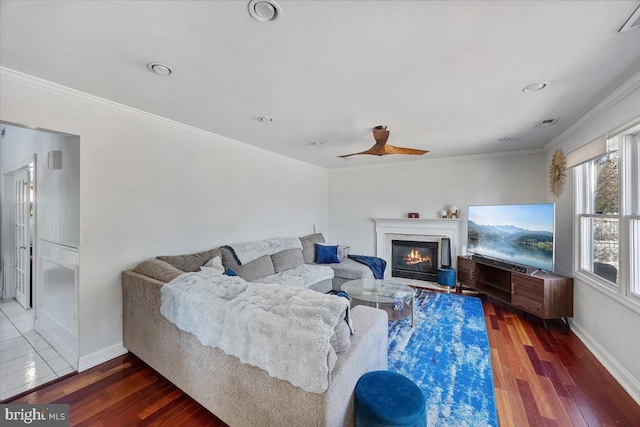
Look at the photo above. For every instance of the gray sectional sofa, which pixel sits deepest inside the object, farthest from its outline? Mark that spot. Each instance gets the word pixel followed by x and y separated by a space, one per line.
pixel 241 394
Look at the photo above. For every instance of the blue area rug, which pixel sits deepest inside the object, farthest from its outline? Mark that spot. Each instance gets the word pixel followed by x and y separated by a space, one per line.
pixel 447 355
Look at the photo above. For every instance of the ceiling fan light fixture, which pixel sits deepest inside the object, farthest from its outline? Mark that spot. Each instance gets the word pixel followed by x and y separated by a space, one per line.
pixel 159 68
pixel 535 87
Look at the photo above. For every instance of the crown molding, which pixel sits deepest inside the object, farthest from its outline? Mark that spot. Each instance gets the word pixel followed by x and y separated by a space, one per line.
pixel 445 159
pixel 607 102
pixel 10 75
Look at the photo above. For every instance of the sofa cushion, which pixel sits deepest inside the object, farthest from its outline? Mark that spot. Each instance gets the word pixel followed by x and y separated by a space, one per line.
pixel 190 262
pixel 287 259
pixel 250 271
pixel 326 254
pixel 302 276
pixel 351 270
pixel 341 338
pixel 158 270
pixel 308 246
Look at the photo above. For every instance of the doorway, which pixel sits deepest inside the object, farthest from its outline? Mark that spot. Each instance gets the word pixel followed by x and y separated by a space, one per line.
pixel 39 244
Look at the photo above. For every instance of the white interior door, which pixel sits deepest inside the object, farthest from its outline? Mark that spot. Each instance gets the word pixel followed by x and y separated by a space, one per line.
pixel 22 238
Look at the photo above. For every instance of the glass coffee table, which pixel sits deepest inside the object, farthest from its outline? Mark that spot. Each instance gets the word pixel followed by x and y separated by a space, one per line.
pixel 382 293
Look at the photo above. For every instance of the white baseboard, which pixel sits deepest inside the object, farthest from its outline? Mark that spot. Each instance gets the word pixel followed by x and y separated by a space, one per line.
pixel 626 380
pixel 100 356
pixel 63 341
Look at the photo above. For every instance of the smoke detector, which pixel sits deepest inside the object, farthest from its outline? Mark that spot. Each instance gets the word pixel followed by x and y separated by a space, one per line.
pixel 264 10
pixel 546 123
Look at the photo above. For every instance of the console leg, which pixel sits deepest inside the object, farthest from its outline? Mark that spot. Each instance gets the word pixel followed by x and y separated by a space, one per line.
pixel 564 330
pixel 546 327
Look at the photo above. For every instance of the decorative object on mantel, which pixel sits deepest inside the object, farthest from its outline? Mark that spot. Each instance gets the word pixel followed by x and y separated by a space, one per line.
pixel 453 212
pixel 381 134
pixel 557 172
pixel 413 215
pixel 444 214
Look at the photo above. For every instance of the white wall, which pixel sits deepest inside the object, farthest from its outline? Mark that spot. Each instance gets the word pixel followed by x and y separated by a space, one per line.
pixel 427 186
pixel 608 327
pixel 150 187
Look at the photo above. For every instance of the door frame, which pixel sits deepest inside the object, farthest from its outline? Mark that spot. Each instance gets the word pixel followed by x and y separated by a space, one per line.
pixel 9 286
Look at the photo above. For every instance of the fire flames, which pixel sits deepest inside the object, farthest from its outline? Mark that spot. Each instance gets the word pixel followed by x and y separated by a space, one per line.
pixel 415 257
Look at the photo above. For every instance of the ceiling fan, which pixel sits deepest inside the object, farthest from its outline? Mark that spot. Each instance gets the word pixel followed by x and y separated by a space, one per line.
pixel 381 148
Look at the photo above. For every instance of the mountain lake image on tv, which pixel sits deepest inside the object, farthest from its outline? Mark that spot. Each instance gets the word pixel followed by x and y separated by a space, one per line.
pixel 521 234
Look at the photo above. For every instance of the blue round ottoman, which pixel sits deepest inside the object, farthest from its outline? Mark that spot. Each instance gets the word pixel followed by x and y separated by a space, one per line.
pixel 384 398
pixel 447 277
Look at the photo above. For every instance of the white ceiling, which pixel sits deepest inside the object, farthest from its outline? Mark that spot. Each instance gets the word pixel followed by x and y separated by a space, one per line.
pixel 443 76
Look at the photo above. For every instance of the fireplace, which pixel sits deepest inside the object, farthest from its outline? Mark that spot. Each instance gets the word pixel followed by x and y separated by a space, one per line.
pixel 414 260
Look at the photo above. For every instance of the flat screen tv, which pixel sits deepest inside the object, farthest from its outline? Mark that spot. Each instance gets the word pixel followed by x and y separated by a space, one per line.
pixel 520 234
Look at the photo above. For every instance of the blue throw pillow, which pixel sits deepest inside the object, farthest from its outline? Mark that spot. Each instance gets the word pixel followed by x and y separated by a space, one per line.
pixel 326 254
pixel 230 272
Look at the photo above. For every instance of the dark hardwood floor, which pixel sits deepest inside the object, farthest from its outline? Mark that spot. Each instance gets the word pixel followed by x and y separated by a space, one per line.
pixel 547 378
pixel 542 378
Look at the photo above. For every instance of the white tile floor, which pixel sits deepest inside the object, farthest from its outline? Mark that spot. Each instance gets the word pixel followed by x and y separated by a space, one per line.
pixel 26 359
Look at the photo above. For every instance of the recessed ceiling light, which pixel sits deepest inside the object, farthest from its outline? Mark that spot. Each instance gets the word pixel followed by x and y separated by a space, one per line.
pixel 158 68
pixel 534 87
pixel 265 119
pixel 317 143
pixel 264 10
pixel 505 139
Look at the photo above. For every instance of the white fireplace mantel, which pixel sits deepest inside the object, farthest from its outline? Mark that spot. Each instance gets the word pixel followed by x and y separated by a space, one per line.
pixel 418 229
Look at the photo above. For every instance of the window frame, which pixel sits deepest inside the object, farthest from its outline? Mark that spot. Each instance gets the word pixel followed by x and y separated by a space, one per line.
pixel 629 176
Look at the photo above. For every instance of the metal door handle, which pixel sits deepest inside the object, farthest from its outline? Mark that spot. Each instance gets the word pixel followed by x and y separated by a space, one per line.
pixel 23 247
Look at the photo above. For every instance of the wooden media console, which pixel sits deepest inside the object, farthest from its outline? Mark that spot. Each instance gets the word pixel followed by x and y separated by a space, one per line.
pixel 545 295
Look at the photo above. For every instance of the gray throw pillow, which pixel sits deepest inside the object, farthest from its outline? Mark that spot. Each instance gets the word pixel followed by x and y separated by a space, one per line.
pixel 158 270
pixel 287 259
pixel 256 269
pixel 308 246
pixel 190 262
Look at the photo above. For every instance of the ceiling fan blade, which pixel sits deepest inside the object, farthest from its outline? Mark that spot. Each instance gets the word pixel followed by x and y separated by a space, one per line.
pixel 390 149
pixel 371 151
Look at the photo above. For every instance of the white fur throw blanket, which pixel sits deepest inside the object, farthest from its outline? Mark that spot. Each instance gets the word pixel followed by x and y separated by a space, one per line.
pixel 249 251
pixel 301 276
pixel 280 329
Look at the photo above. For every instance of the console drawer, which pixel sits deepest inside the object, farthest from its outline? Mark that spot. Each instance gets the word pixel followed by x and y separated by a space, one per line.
pixel 527 305
pixel 527 287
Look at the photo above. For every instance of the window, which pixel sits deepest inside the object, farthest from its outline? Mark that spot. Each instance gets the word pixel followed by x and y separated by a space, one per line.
pixel 608 216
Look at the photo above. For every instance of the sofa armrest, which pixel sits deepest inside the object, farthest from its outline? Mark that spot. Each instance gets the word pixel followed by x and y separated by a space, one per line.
pixel 368 352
